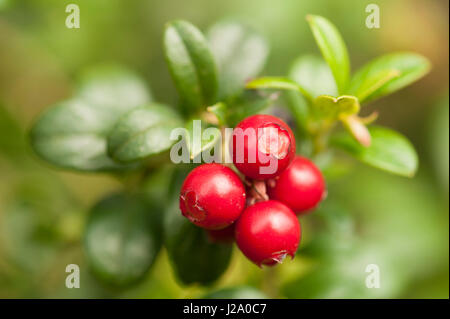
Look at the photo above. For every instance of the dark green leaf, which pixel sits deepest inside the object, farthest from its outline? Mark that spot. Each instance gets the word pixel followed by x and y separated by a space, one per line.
pixel 333 49
pixel 72 134
pixel 389 151
pixel 122 238
pixel 409 68
pixel 240 53
pixel 143 132
pixel 314 75
pixel 191 65
pixel 194 258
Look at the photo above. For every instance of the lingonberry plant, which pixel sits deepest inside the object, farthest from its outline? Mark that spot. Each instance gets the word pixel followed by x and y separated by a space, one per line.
pixel 112 124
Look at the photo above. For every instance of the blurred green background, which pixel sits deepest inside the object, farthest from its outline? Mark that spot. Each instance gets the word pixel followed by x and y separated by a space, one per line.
pixel 369 216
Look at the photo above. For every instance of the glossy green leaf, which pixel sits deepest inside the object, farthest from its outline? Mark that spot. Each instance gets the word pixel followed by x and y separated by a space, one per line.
pixel 326 106
pixel 333 49
pixel 240 53
pixel 194 258
pixel 143 132
pixel 314 75
pixel 278 83
pixel 389 151
pixel 191 65
pixel 122 238
pixel 72 134
pixel 409 66
pixel 371 84
pixel 242 292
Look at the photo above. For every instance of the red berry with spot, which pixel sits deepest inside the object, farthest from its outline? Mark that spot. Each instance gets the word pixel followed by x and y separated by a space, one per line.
pixel 267 232
pixel 301 186
pixel 225 235
pixel 212 196
pixel 262 146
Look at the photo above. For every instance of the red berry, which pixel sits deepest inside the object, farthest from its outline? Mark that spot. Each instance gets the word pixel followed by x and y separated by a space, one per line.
pixel 268 231
pixel 225 235
pixel 212 196
pixel 260 141
pixel 301 186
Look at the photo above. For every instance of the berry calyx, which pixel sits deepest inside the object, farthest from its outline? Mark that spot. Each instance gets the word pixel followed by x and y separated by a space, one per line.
pixel 267 232
pixel 301 186
pixel 212 196
pixel 224 236
pixel 262 146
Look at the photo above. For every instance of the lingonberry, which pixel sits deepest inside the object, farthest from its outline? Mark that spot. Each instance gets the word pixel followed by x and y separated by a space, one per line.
pixel 262 146
pixel 225 235
pixel 301 186
pixel 212 196
pixel 267 232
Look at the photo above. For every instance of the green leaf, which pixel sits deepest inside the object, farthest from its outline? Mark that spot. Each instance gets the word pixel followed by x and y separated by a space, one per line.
pixel 389 151
pixel 326 106
pixel 333 49
pixel 122 238
pixel 278 83
pixel 373 83
pixel 191 65
pixel 240 54
pixel 409 66
pixel 72 134
pixel 143 132
pixel 194 258
pixel 242 292
pixel 314 75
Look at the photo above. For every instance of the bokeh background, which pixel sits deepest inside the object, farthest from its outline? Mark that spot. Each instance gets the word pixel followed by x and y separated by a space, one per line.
pixel 370 216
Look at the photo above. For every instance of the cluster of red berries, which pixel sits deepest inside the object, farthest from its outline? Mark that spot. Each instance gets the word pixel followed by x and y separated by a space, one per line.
pixel 258 210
